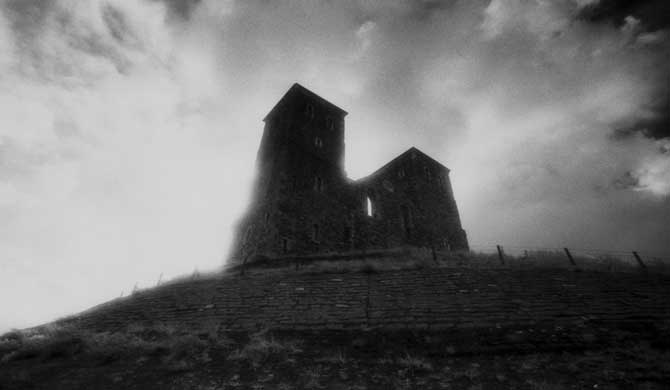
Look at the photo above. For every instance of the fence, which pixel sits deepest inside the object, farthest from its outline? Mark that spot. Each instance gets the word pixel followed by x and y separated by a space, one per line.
pixel 483 256
pixel 585 258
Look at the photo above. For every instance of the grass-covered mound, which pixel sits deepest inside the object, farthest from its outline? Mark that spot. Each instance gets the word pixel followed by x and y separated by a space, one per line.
pixel 159 357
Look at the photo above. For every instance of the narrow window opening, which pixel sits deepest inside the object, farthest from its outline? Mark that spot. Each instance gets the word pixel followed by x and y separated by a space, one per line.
pixel 284 245
pixel 318 142
pixel 401 173
pixel 318 184
pixel 406 219
pixel 330 123
pixel 267 218
pixel 368 206
pixel 315 232
pixel 347 234
pixel 429 175
pixel 310 111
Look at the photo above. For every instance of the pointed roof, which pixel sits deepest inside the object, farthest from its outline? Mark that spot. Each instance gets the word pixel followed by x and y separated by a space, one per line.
pixel 402 156
pixel 298 90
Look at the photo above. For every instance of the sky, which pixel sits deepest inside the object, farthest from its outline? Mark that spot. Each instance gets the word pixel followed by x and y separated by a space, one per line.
pixel 129 128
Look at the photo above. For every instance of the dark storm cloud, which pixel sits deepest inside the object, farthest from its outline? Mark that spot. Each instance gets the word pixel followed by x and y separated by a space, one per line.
pixel 653 13
pixel 647 22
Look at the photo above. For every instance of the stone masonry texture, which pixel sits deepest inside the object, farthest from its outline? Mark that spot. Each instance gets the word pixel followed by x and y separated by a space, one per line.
pixel 303 203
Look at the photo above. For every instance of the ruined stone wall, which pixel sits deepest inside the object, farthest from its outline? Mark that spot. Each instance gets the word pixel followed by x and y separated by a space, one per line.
pixel 413 204
pixel 440 298
pixel 303 203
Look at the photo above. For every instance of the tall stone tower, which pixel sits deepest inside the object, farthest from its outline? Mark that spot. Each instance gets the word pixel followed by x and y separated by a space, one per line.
pixel 300 179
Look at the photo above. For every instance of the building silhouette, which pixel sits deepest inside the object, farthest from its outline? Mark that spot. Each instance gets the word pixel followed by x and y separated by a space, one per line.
pixel 303 203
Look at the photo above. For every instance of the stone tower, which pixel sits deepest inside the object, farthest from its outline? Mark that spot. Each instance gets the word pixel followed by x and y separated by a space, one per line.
pixel 303 202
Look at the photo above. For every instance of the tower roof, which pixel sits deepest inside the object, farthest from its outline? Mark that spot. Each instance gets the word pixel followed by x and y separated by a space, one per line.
pixel 297 91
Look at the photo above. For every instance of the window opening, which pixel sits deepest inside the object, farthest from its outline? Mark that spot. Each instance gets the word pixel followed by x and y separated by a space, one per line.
pixel 368 206
pixel 318 183
pixel 284 245
pixel 347 234
pixel 406 217
pixel 315 232
pixel 318 142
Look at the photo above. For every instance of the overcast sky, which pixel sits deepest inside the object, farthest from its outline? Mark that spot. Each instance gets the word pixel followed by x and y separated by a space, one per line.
pixel 129 128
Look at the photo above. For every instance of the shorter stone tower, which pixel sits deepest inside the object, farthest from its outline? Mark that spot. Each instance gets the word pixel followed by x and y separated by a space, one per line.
pixel 303 203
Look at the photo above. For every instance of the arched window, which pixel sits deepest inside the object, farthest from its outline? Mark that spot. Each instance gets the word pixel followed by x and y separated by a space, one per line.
pixel 330 123
pixel 318 142
pixel 368 206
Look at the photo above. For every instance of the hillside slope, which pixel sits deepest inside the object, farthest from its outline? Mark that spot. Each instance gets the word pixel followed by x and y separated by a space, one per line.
pixel 423 298
pixel 361 328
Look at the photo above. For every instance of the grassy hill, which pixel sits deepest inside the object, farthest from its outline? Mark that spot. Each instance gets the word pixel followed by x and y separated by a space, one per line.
pixel 466 322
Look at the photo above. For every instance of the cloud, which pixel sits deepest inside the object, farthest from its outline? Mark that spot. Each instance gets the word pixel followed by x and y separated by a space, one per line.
pixel 128 129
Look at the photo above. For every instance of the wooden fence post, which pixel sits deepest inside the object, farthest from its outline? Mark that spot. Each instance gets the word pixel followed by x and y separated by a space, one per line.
pixel 567 252
pixel 639 260
pixel 500 254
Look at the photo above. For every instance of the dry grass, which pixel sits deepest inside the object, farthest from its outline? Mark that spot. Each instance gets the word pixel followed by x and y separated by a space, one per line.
pixel 262 347
pixel 178 347
pixel 414 363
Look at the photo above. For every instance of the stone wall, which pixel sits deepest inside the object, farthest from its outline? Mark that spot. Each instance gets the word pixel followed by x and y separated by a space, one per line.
pixel 434 298
pixel 413 204
pixel 303 203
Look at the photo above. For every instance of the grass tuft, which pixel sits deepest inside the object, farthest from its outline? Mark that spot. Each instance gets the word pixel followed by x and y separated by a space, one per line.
pixel 261 347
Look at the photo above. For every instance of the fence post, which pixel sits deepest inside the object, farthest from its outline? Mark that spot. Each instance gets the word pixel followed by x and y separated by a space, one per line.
pixel 567 252
pixel 500 254
pixel 639 260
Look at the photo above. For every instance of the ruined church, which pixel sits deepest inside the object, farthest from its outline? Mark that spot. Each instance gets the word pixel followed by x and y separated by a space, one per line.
pixel 303 203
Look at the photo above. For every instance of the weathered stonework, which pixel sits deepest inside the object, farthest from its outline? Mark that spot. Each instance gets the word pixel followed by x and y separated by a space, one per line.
pixel 303 202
